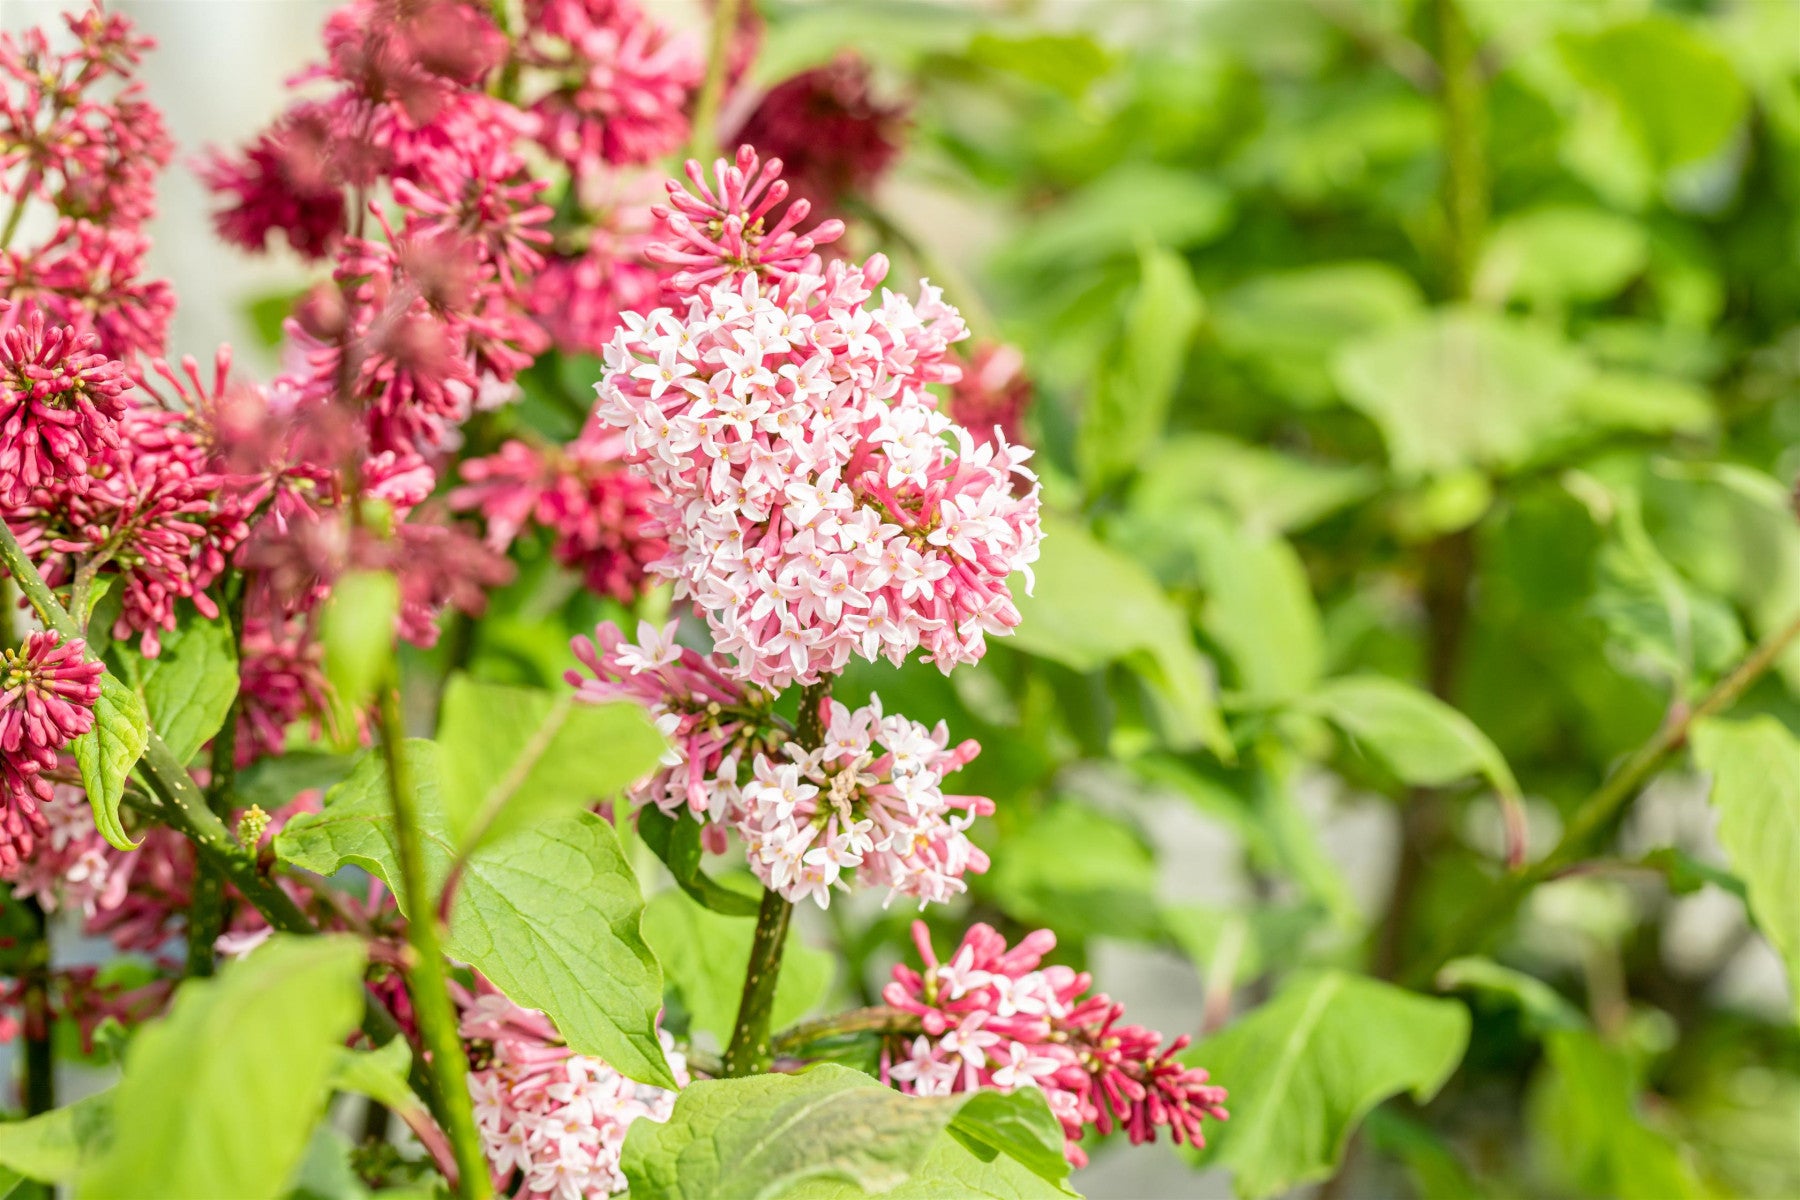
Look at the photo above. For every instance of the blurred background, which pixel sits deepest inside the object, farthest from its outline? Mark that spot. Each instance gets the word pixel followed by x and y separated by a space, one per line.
pixel 1451 345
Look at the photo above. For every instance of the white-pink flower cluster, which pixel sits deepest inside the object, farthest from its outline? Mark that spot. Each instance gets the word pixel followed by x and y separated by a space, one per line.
pixel 554 1120
pixel 72 867
pixel 818 504
pixel 867 805
pixel 711 722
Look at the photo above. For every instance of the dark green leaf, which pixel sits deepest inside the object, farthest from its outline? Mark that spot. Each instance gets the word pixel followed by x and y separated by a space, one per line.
pixel 107 752
pixel 1306 1067
pixel 550 915
pixel 676 842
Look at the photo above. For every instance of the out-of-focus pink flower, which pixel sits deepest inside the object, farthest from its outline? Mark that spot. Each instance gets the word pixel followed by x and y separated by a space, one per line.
pixel 994 1017
pixel 282 181
pixel 723 231
pixel 596 507
pixel 833 137
pixel 619 81
pixel 60 404
pixel 551 1120
pixel 993 395
pixel 89 277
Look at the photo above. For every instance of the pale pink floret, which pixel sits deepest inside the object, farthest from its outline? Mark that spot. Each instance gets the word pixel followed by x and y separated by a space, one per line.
pixel 552 1122
pixel 994 1017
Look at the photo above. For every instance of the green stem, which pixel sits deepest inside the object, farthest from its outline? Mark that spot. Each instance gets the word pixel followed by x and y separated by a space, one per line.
pixel 39 1060
pixel 206 919
pixel 1601 809
pixel 18 209
pixel 425 973
pixel 182 805
pixel 703 142
pixel 1465 134
pixel 748 1051
pixel 878 1018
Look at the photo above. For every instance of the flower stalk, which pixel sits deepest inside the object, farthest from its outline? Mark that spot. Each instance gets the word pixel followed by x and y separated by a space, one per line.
pixel 749 1051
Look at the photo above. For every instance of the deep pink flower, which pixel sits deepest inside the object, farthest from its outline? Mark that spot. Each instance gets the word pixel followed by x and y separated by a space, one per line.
pixel 728 229
pixel 60 404
pixel 88 276
pixel 619 82
pixel 833 137
pixel 48 689
pixel 282 181
pixel 994 1017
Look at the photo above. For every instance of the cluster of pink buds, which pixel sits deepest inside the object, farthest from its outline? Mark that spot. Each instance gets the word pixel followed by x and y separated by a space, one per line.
pixel 552 1122
pixel 48 689
pixel 866 805
pixel 596 509
pixel 994 1017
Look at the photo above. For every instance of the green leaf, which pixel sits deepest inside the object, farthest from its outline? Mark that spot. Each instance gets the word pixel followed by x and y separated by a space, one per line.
pixel 1561 254
pixel 1067 62
pixel 676 842
pixel 1676 91
pixel 1118 213
pixel 220 1096
pixel 515 756
pixel 1421 739
pixel 1584 1107
pixel 1245 943
pixel 1462 389
pixel 1268 491
pixel 379 1074
pixel 1286 325
pixel 704 955
pixel 188 688
pixel 51 1148
pixel 1435 1169
pixel 357 631
pixel 1305 1068
pixel 107 752
pixel 1755 768
pixel 1686 874
pixel 550 915
pixel 1259 608
pixel 1131 403
pixel 1073 619
pixel 1541 1006
pixel 1080 871
pixel 767 1135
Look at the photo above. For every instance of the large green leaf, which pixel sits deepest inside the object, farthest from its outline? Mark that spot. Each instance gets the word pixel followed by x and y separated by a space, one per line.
pixel 1305 1068
pixel 220 1096
pixel 51 1147
pixel 1541 1007
pixel 1286 325
pixel 1270 492
pixel 550 915
pixel 188 688
pixel 514 756
pixel 1585 1110
pixel 768 1136
pixel 1092 606
pixel 1462 389
pixel 705 955
pixel 1131 404
pixel 1562 253
pixel 1755 768
pixel 1421 739
pixel 1118 213
pixel 1258 608
pixel 1677 92
pixel 1080 871
pixel 107 752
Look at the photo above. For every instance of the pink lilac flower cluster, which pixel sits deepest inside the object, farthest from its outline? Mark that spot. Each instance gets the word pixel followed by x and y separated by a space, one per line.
pixel 817 503
pixel 867 805
pixel 994 1017
pixel 552 1122
pixel 78 140
pixel 597 511
pixel 48 689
